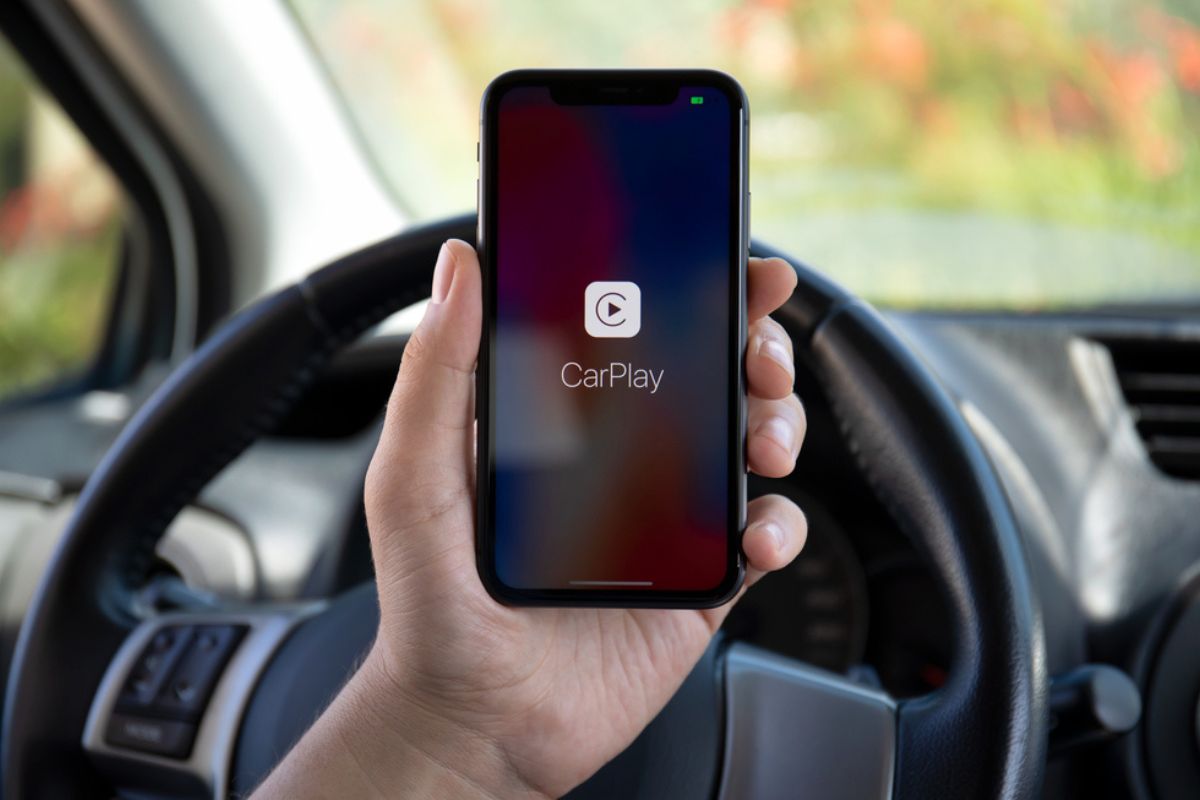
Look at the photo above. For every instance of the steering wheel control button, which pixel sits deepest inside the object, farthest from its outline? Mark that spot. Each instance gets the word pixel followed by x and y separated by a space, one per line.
pixel 161 737
pixel 187 691
pixel 612 309
pixel 184 692
pixel 150 672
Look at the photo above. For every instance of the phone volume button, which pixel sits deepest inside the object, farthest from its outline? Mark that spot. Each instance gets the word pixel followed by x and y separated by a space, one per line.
pixel 749 196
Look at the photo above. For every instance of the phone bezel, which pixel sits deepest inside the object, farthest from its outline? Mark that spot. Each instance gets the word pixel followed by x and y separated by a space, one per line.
pixel 649 86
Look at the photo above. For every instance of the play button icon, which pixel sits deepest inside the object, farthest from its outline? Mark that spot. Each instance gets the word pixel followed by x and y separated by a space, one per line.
pixel 612 309
pixel 612 304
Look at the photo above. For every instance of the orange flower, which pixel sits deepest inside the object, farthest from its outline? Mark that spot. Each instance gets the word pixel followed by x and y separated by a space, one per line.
pixel 1072 109
pixel 1133 80
pixel 1184 43
pixel 895 51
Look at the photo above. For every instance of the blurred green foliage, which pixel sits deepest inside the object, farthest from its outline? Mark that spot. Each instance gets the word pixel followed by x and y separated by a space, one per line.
pixel 1016 154
pixel 1024 154
pixel 53 308
pixel 1073 126
pixel 57 270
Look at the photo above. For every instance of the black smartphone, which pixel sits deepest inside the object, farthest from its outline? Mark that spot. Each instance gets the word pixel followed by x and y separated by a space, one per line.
pixel 610 392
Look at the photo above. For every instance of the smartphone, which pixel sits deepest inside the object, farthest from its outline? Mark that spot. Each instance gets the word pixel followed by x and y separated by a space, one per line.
pixel 610 389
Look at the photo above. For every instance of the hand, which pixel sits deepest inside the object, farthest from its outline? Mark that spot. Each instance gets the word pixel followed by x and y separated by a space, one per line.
pixel 461 691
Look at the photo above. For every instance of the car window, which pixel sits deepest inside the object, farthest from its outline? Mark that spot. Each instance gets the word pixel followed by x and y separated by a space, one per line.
pixel 975 154
pixel 60 234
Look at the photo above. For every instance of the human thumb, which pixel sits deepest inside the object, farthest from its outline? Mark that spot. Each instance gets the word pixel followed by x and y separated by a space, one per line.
pixel 424 464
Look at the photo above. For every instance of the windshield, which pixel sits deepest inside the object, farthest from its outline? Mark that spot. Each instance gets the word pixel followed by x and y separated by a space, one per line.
pixel 1024 154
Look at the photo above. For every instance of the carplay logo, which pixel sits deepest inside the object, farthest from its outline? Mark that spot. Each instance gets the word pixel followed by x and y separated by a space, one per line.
pixel 612 309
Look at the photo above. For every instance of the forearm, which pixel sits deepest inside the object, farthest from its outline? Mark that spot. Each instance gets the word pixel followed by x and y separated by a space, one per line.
pixel 366 745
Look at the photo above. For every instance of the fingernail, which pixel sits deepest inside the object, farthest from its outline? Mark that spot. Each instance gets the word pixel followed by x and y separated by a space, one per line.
pixel 779 431
pixel 772 529
pixel 443 275
pixel 777 352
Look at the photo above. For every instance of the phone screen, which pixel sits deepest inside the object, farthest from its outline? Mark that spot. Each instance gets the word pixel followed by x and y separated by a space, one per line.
pixel 614 423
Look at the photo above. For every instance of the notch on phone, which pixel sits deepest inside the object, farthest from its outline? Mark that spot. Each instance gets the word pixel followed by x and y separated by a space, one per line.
pixel 610 92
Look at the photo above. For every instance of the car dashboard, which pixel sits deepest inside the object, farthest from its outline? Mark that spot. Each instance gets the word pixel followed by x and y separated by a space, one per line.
pixel 1087 418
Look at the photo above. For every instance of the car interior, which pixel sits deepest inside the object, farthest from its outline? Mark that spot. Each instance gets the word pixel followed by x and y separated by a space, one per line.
pixel 218 224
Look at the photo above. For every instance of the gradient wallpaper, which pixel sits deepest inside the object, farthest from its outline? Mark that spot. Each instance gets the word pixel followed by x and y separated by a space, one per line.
pixel 613 483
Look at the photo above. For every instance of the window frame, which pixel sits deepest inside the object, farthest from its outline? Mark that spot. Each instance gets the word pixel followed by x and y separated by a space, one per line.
pixel 140 325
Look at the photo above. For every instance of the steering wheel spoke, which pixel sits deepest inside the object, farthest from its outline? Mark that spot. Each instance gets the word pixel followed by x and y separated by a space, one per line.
pixel 167 712
pixel 795 729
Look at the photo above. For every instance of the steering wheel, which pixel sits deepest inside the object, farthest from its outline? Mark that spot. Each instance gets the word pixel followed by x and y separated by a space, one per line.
pixel 81 718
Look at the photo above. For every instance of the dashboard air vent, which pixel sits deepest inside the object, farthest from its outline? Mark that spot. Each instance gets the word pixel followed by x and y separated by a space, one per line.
pixel 1161 382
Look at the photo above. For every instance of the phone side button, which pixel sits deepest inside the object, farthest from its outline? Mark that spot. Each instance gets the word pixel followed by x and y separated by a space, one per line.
pixel 743 500
pixel 749 197
pixel 478 215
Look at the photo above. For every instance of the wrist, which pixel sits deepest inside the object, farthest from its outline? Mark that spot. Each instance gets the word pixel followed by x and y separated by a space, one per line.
pixel 436 755
pixel 375 741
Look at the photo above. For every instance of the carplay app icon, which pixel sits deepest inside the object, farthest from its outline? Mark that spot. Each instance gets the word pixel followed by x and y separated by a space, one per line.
pixel 612 309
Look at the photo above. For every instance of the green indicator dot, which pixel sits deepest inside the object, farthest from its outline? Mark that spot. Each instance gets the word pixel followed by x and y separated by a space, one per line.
pixel 697 100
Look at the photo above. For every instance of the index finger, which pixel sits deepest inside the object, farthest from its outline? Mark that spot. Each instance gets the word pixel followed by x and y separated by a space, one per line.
pixel 769 284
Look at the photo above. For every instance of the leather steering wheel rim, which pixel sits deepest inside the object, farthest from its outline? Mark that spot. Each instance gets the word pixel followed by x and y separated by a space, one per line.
pixel 983 734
